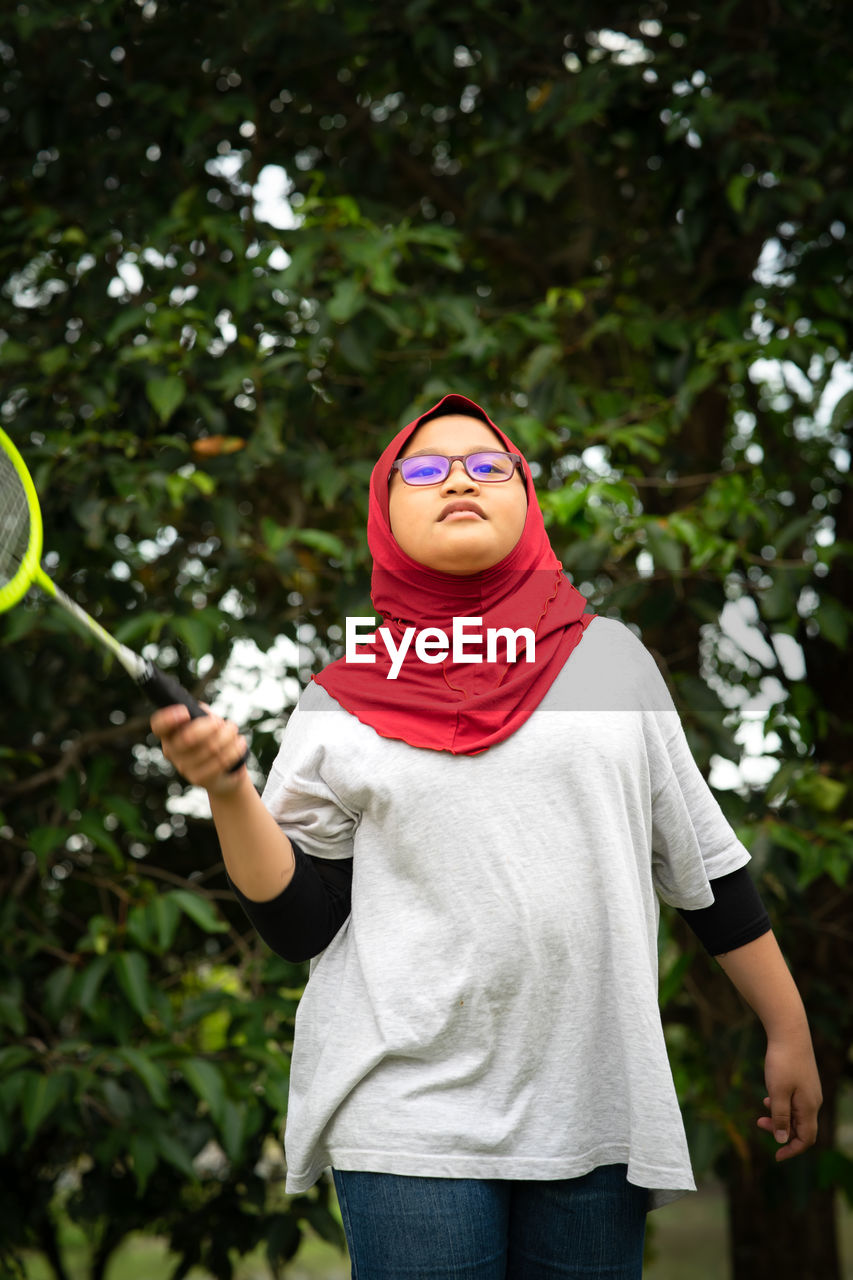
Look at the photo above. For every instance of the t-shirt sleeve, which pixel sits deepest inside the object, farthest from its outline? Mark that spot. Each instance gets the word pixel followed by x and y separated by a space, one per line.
pixel 297 794
pixel 692 840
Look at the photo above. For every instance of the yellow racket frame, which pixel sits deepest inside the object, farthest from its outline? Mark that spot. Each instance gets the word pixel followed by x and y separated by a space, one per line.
pixel 29 570
pixel 163 690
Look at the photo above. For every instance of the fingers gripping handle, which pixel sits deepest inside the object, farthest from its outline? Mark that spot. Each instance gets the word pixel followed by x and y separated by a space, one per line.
pixel 166 692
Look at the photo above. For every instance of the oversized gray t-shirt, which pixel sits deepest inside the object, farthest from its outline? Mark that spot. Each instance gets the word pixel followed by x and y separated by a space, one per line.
pixel 490 1007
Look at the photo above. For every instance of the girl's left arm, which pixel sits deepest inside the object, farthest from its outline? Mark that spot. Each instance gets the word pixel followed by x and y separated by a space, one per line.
pixel 759 972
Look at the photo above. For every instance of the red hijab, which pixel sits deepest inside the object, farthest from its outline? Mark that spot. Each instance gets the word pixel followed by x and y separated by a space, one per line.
pixel 460 707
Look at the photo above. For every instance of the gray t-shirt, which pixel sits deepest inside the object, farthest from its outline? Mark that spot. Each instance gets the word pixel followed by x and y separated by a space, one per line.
pixel 490 1007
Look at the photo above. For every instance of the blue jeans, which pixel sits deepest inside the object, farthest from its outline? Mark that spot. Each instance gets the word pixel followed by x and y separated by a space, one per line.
pixel 405 1228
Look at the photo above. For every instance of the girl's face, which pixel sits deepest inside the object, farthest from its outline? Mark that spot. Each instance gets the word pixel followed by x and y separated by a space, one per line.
pixel 466 543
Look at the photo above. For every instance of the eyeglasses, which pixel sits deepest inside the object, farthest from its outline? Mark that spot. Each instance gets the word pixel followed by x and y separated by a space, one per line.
pixel 433 468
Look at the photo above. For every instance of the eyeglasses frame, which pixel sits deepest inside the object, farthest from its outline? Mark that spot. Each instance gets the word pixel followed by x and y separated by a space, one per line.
pixel 515 458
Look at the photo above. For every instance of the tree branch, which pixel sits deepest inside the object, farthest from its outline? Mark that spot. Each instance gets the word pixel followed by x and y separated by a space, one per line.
pixel 73 755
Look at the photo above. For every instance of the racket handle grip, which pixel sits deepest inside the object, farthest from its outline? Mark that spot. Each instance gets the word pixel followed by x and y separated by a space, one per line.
pixel 164 691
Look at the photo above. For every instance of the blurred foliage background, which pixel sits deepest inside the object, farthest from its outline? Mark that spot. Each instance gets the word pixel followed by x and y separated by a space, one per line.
pixel 240 246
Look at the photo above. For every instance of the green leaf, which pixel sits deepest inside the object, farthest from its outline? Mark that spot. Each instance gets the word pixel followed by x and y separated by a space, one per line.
pixel 149 1073
pixel 276 1093
pixel 325 477
pixel 666 550
pixel 782 780
pixel 14 353
pixel 44 840
pixel 131 969
pixel 212 1031
pixel 324 1223
pixel 672 981
pixel 564 504
pixel 92 825
pixel 327 543
pixel 41 1094
pixel 144 626
pixel 12 1057
pixel 276 536
pixel 233 1129
pixel 778 601
pixel 346 301
pixel 195 632
pixel 836 1171
pixel 128 318
pixel 165 395
pixel 207 1082
pixel 355 349
pixel 736 190
pixel 118 1100
pixel 54 359
pixel 283 1238
pixel 674 334
pixel 90 981
pixel 817 791
pixel 177 1156
pixel 834 622
pixel 165 914
pixel 143 1153
pixel 128 814
pixel 199 909
pixel 139 926
pixel 11 1010
pixel 203 482
pixel 56 992
pixel 842 413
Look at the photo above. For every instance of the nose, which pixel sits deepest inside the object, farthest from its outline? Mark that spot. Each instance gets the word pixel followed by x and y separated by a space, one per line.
pixel 456 480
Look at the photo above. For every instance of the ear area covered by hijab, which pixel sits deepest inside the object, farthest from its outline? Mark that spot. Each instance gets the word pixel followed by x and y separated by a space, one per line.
pixel 461 707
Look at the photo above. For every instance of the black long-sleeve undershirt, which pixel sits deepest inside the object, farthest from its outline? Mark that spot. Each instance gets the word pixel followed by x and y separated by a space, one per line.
pixel 736 916
pixel 303 919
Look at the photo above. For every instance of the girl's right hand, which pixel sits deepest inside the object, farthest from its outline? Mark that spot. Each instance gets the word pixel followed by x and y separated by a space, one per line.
pixel 202 750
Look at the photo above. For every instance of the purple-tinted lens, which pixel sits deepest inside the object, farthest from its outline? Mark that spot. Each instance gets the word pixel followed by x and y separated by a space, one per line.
pixel 489 466
pixel 429 468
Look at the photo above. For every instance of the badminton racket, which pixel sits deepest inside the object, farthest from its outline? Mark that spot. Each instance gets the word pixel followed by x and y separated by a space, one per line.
pixel 20 568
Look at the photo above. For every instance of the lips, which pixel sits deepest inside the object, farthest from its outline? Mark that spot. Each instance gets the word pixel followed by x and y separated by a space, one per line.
pixel 461 506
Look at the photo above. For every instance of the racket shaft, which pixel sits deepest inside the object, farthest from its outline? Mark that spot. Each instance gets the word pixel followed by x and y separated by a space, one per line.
pixel 131 662
pixel 163 690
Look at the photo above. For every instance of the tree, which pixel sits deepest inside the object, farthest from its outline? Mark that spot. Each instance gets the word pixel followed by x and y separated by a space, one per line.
pixel 625 230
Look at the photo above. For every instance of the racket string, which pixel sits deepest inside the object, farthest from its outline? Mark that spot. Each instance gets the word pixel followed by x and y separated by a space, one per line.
pixel 14 520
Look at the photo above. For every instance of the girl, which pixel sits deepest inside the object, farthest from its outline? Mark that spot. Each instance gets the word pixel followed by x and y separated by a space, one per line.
pixel 470 840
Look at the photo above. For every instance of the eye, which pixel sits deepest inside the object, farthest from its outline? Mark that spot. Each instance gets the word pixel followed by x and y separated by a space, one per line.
pixel 424 470
pixel 490 464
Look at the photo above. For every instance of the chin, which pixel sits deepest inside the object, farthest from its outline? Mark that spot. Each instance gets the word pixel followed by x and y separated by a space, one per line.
pixel 462 567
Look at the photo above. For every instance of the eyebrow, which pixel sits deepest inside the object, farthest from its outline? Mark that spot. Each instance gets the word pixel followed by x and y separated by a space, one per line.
pixel 476 449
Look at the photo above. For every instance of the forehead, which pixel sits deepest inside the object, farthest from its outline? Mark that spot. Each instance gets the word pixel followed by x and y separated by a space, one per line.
pixel 454 433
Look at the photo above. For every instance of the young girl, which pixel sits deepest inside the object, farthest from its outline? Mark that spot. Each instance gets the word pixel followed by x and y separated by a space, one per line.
pixel 468 826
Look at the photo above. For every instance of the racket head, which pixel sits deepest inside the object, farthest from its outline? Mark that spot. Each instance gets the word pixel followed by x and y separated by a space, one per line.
pixel 20 527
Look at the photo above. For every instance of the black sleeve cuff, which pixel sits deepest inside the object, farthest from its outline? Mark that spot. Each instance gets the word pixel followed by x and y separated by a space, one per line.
pixel 737 915
pixel 302 920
